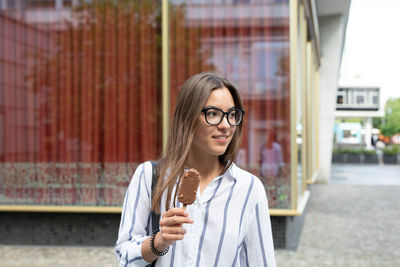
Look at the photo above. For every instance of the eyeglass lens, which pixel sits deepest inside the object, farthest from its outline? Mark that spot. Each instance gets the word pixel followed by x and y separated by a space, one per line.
pixel 215 116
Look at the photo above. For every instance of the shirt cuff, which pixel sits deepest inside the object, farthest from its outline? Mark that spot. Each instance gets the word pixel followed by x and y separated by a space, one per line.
pixel 134 257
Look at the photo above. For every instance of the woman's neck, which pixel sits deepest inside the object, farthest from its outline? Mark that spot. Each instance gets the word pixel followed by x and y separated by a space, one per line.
pixel 208 167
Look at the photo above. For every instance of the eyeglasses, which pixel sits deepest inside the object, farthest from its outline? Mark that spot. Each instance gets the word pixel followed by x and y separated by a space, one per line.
pixel 214 115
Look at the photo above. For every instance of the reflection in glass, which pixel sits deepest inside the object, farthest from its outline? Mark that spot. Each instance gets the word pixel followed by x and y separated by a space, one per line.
pixel 248 42
pixel 79 99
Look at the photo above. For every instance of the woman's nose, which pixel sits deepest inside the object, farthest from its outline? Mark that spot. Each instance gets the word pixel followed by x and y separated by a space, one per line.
pixel 224 123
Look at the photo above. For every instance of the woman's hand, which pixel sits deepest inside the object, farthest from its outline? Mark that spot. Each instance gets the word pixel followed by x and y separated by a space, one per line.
pixel 171 226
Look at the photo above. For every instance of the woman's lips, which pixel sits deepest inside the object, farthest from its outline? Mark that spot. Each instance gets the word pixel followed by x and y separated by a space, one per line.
pixel 221 138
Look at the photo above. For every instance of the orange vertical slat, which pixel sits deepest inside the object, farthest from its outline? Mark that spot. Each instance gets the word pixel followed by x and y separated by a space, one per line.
pixel 86 89
pixel 110 111
pixel 134 84
pixel 122 82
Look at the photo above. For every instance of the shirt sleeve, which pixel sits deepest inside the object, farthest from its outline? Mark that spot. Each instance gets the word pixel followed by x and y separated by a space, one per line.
pixel 258 246
pixel 135 218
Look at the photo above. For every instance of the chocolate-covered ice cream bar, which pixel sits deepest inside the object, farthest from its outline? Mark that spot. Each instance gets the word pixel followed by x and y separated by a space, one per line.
pixel 188 188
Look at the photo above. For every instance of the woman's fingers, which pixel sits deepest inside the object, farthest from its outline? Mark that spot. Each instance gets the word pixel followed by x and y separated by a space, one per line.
pixel 172 237
pixel 175 212
pixel 172 233
pixel 175 216
pixel 173 230
pixel 171 225
pixel 169 234
pixel 175 220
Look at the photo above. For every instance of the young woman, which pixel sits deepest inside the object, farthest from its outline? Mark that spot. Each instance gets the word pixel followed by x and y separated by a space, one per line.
pixel 229 223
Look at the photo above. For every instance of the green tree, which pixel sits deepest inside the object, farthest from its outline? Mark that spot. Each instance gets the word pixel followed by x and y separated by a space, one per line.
pixel 377 122
pixel 392 117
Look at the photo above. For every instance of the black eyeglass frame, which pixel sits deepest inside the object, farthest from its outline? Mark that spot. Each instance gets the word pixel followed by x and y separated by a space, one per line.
pixel 206 109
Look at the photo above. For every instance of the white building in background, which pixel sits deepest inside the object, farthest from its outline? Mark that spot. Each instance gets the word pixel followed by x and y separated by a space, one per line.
pixel 360 101
pixel 357 98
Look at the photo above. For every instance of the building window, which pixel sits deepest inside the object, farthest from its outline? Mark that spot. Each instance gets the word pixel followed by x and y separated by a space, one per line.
pixel 339 99
pixel 347 134
pixel 360 99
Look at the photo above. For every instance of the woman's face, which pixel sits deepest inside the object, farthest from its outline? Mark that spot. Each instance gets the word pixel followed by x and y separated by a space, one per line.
pixel 214 139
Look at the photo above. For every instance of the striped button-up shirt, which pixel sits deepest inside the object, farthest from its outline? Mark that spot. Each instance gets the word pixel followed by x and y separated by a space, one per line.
pixel 231 225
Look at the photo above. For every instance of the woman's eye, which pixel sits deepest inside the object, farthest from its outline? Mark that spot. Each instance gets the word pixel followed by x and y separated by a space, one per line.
pixel 212 114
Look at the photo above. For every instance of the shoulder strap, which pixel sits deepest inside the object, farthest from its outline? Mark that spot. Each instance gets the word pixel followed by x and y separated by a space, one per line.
pixel 155 218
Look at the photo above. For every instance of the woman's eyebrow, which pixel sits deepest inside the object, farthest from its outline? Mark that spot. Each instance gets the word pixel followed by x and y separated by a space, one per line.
pixel 218 107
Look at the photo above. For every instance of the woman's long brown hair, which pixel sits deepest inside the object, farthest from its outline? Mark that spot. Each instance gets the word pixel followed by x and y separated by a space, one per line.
pixel 191 99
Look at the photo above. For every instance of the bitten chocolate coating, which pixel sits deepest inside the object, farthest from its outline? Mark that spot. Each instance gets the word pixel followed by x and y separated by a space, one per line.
pixel 188 188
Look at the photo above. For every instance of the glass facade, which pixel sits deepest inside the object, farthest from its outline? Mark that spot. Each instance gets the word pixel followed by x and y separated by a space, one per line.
pixel 300 101
pixel 80 99
pixel 247 42
pixel 81 92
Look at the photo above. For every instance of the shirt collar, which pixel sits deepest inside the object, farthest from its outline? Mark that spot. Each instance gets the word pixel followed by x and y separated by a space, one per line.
pixel 230 172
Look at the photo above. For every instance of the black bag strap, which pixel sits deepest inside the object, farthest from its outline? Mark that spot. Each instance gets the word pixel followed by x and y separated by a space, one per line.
pixel 155 218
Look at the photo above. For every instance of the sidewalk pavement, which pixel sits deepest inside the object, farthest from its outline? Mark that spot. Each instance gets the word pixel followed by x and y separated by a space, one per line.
pixel 352 221
pixel 62 256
